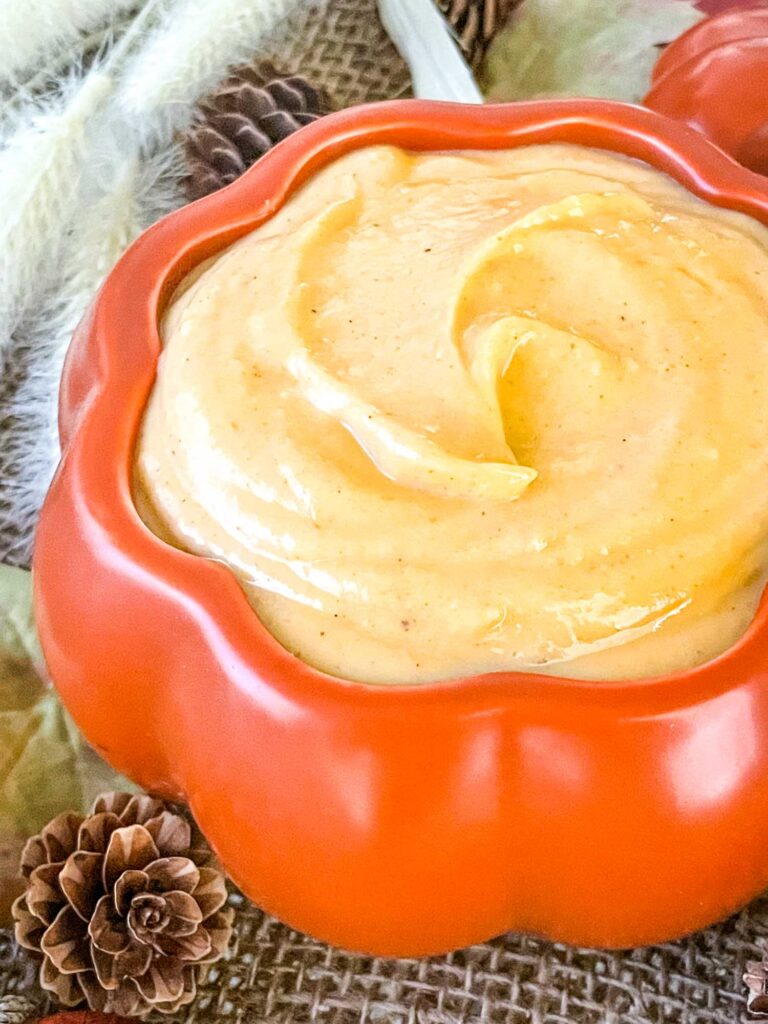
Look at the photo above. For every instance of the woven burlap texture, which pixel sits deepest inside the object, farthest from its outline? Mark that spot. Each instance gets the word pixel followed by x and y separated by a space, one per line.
pixel 273 975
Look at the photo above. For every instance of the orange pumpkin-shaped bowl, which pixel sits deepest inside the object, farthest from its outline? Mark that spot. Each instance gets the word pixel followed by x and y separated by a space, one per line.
pixel 405 819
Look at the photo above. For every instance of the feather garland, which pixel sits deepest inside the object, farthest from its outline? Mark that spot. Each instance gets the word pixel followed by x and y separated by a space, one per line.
pixel 93 185
pixel 121 196
pixel 39 168
pixel 187 55
pixel 58 63
pixel 36 28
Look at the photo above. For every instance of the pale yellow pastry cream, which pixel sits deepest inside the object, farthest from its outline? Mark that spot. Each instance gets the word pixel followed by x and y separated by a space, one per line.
pixel 454 413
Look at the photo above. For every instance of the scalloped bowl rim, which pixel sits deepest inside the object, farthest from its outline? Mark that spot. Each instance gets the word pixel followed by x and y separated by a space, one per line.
pixel 108 421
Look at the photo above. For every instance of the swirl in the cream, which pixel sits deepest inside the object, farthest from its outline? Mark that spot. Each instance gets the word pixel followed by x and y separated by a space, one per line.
pixel 455 413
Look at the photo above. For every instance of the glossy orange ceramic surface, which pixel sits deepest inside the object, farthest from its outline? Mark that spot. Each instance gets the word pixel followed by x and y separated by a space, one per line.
pixel 715 78
pixel 394 820
pixel 745 21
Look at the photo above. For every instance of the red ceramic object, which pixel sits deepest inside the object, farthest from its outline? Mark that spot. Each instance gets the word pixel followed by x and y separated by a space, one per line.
pixel 85 1017
pixel 753 149
pixel 745 21
pixel 715 78
pixel 394 820
pixel 719 6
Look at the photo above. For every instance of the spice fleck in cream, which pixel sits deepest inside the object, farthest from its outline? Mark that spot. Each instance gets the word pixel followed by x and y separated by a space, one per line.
pixel 453 413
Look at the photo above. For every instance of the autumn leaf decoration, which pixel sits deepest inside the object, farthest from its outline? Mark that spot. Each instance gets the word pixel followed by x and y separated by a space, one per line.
pixel 603 48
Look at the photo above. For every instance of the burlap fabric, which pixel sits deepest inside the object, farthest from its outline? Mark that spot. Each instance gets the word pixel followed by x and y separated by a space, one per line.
pixel 276 976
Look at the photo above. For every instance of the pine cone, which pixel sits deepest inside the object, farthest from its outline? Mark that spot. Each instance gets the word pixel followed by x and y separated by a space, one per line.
pixel 474 23
pixel 124 906
pixel 254 108
pixel 756 980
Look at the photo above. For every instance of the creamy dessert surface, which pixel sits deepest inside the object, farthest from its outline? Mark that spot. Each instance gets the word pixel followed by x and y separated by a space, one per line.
pixel 456 413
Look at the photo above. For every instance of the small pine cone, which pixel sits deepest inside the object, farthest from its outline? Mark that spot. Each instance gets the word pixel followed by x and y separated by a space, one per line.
pixel 254 108
pixel 474 23
pixel 123 906
pixel 756 980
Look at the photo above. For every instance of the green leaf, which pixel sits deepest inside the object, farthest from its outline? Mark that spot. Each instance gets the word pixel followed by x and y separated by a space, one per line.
pixel 601 48
pixel 17 625
pixel 38 766
pixel 20 683
pixel 45 765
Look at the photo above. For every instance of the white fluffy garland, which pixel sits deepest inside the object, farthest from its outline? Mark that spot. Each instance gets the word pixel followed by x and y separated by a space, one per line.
pixel 84 167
